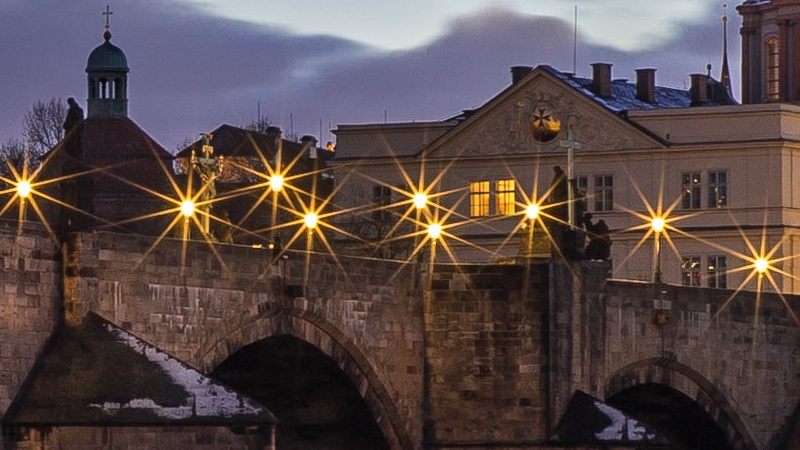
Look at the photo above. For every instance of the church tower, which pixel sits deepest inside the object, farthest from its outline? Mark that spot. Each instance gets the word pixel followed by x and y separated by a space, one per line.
pixel 770 50
pixel 107 72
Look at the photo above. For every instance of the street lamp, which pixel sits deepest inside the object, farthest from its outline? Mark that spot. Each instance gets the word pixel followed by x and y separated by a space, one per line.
pixel 24 189
pixel 187 209
pixel 276 182
pixel 420 200
pixel 434 232
pixel 310 221
pixel 657 224
pixel 761 265
pixel 532 211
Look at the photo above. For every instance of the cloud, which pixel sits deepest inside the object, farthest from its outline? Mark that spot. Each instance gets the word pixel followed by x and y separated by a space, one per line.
pixel 191 71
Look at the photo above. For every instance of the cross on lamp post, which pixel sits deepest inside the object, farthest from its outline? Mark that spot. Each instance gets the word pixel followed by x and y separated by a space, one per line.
pixel 571 145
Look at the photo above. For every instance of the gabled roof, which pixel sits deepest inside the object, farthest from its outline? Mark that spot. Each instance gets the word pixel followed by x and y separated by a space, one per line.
pixel 108 138
pixel 228 141
pixel 623 99
pixel 118 138
pixel 99 374
pixel 624 93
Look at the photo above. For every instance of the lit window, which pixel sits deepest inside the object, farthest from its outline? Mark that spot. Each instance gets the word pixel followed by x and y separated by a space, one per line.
pixel 717 189
pixel 479 198
pixel 716 271
pixel 690 187
pixel 773 69
pixel 603 192
pixel 690 271
pixel 505 191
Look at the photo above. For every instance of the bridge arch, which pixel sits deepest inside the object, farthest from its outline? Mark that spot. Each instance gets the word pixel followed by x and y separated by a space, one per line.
pixel 690 384
pixel 326 337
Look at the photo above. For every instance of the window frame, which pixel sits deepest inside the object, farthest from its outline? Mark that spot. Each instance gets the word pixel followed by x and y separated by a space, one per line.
pixel 772 69
pixel 691 271
pixel 505 197
pixel 717 271
pixel 479 198
pixel 603 192
pixel 715 200
pixel 691 190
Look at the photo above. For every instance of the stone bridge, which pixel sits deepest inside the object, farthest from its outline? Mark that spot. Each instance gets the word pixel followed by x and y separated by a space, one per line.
pixel 458 357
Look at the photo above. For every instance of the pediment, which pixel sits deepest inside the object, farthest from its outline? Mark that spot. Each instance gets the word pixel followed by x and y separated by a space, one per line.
pixel 503 126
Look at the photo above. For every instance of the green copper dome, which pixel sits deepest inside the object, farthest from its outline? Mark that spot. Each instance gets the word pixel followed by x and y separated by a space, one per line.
pixel 107 58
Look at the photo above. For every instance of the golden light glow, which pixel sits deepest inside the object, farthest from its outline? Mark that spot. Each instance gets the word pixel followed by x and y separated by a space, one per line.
pixel 187 208
pixel 420 200
pixel 276 182
pixel 24 189
pixel 658 224
pixel 434 231
pixel 532 211
pixel 311 220
pixel 761 265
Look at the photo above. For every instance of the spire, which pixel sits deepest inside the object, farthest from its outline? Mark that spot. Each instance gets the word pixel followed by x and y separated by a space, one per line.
pixel 725 76
pixel 107 72
pixel 107 13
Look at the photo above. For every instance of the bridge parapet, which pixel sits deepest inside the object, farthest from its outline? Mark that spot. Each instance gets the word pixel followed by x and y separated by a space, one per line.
pixel 30 292
pixel 203 305
pixel 734 353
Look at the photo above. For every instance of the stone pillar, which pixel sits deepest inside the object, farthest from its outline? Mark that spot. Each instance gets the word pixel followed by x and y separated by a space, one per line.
pixel 575 331
pixel 80 263
pixel 747 39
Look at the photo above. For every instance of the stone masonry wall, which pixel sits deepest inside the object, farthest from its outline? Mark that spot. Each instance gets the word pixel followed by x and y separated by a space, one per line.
pixel 737 357
pixel 30 290
pixel 486 363
pixel 139 438
pixel 202 306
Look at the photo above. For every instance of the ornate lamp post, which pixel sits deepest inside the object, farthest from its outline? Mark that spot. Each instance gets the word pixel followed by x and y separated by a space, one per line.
pixel 209 168
pixel 657 224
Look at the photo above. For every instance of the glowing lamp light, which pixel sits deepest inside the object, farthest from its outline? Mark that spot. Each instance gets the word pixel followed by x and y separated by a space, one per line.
pixel 761 265
pixel 310 220
pixel 420 200
pixel 532 211
pixel 24 189
pixel 276 183
pixel 434 231
pixel 658 224
pixel 187 208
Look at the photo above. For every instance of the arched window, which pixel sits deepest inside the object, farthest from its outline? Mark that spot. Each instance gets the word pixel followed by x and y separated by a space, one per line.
pixel 772 68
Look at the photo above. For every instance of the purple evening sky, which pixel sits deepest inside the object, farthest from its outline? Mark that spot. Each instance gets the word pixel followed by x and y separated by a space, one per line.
pixel 192 71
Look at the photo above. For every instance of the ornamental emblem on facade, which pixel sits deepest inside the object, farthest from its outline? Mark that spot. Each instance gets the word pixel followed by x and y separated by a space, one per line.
pixel 544 125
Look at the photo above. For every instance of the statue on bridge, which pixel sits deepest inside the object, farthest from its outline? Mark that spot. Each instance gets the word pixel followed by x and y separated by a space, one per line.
pixel 209 168
pixel 599 247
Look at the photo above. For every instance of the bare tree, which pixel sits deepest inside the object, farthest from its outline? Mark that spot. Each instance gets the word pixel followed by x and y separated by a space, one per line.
pixel 43 125
pixel 259 125
pixel 14 154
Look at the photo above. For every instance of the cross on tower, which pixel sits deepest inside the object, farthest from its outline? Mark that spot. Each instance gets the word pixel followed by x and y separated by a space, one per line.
pixel 108 14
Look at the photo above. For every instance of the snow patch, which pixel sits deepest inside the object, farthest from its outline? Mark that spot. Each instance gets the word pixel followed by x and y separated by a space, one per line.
pixel 621 428
pixel 207 398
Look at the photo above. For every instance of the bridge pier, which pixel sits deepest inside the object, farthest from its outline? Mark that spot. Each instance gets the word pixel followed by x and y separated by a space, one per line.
pixel 575 345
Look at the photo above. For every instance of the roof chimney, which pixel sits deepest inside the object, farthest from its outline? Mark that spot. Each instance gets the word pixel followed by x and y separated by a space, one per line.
pixel 646 85
pixel 309 144
pixel 274 134
pixel 601 79
pixel 699 89
pixel 519 72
